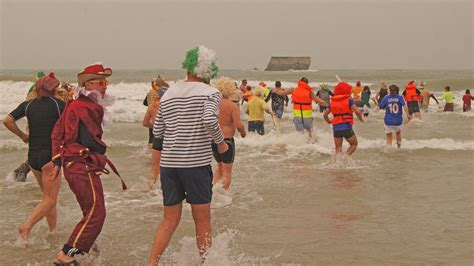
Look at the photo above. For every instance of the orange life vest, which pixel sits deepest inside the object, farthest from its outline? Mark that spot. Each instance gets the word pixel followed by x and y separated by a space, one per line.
pixel 410 93
pixel 341 110
pixel 248 96
pixel 301 97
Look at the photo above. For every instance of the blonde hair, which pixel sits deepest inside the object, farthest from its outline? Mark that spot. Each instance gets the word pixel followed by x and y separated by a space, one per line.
pixel 258 92
pixel 226 86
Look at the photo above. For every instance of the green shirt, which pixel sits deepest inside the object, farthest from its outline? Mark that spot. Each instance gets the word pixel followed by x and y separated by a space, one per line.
pixel 448 96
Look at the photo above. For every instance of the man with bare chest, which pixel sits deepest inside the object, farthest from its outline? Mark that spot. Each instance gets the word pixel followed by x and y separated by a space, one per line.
pixel 229 121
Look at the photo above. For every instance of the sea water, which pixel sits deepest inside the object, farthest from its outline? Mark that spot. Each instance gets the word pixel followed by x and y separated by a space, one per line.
pixel 290 203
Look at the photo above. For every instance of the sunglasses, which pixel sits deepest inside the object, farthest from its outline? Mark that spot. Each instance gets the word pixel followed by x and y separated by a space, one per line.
pixel 99 82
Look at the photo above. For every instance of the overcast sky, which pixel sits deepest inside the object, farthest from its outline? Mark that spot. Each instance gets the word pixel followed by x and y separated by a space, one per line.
pixel 376 34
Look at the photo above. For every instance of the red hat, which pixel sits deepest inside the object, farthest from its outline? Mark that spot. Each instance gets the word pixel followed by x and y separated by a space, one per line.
pixel 358 84
pixel 342 88
pixel 411 85
pixel 47 83
pixel 262 84
pixel 94 71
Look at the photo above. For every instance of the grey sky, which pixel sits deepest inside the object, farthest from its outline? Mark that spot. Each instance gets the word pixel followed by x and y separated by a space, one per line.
pixel 155 34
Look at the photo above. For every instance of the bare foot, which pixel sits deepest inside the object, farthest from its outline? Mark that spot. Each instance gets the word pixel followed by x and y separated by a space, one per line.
pixel 24 231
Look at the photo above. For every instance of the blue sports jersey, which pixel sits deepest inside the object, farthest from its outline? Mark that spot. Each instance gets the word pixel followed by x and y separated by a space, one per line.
pixel 393 105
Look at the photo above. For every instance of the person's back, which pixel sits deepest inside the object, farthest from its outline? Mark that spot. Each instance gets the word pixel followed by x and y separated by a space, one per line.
pixel 42 114
pixel 256 109
pixel 425 95
pixel 187 124
pixel 226 121
pixel 393 106
pixel 382 93
pixel 356 92
pixel 466 99
pixel 324 94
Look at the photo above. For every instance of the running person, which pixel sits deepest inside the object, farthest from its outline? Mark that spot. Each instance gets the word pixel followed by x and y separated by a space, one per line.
pixel 426 95
pixel 229 120
pixel 42 114
pixel 77 145
pixel 412 97
pixel 302 98
pixel 186 124
pixel 448 96
pixel 393 120
pixel 278 102
pixel 466 99
pixel 256 108
pixel 342 107
pixel 148 121
pixel 325 94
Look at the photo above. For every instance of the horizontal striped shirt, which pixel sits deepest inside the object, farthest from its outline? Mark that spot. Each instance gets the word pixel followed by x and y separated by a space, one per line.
pixel 187 121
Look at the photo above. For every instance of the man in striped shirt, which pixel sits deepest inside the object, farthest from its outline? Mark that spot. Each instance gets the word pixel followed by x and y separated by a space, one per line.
pixel 185 127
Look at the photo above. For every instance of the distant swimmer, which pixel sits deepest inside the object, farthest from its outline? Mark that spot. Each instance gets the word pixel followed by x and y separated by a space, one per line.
pixel 243 86
pixel 412 97
pixel 324 93
pixel 426 95
pixel 448 97
pixel 278 102
pixel 302 98
pixel 466 99
pixel 342 107
pixel 42 113
pixel 229 121
pixel 393 120
pixel 364 103
pixel 256 109
pixel 381 93
pixel 148 122
pixel 266 91
pixel 356 92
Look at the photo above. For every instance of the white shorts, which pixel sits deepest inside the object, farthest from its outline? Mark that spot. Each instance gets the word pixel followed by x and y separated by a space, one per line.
pixel 392 129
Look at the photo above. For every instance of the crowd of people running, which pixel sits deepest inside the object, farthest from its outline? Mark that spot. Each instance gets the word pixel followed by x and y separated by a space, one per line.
pixel 190 122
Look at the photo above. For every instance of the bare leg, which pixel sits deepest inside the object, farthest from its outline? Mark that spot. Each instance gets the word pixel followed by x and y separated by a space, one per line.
pixel 338 143
pixel 399 139
pixel 202 222
pixel 46 207
pixel 164 232
pixel 217 176
pixel 226 174
pixel 155 167
pixel 418 115
pixel 389 139
pixel 353 142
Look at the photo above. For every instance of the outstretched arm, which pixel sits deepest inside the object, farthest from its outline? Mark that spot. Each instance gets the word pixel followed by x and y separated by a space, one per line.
pixel 283 92
pixel 436 100
pixel 326 116
pixel 317 100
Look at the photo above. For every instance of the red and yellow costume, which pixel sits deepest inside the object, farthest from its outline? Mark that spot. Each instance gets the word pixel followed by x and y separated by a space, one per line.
pixel 82 168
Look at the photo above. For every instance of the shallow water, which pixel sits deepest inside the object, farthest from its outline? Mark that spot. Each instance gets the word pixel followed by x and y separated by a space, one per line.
pixel 290 203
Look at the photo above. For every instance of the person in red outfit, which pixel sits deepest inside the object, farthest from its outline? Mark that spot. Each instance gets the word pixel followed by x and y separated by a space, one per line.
pixel 466 99
pixel 77 146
